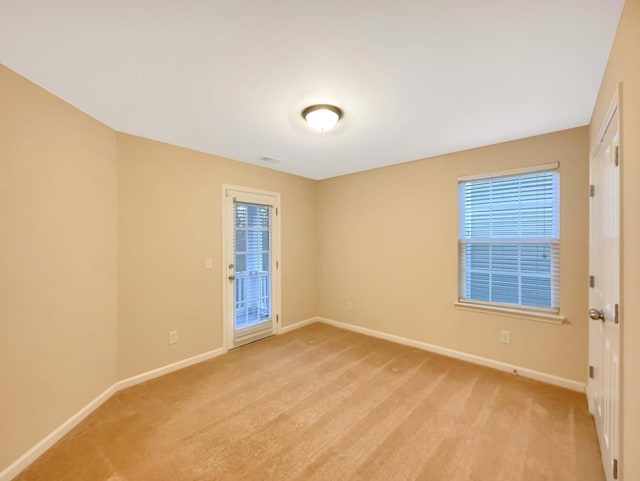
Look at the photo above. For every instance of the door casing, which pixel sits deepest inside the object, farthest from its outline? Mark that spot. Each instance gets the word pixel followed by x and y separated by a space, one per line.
pixel 228 308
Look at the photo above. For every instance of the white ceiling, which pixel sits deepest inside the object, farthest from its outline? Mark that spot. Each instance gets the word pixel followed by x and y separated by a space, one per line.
pixel 414 78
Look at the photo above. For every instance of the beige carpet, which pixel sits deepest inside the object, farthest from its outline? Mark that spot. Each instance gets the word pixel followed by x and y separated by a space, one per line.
pixel 322 403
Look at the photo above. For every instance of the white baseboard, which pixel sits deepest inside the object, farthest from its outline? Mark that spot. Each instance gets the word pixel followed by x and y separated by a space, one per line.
pixel 297 325
pixel 463 356
pixel 36 451
pixel 161 371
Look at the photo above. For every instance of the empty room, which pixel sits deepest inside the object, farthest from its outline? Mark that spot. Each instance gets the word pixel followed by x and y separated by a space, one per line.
pixel 298 241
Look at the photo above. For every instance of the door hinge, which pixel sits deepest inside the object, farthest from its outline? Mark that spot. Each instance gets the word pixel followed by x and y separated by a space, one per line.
pixel 276 211
pixel 277 265
pixel 615 469
pixel 617 156
pixel 591 372
pixel 592 281
pixel 277 317
pixel 592 190
pixel 616 314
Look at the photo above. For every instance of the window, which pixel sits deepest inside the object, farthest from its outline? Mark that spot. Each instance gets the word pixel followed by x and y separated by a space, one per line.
pixel 509 240
pixel 252 263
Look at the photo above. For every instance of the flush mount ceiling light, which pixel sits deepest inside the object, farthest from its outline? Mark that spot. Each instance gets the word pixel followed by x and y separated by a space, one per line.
pixel 322 117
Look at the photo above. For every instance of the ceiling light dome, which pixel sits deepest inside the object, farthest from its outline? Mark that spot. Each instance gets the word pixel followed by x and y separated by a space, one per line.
pixel 322 117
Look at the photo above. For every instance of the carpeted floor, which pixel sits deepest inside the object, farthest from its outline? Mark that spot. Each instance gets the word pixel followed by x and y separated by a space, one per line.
pixel 322 403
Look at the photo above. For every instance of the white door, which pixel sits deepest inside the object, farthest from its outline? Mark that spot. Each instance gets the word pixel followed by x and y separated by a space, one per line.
pixel 604 293
pixel 251 280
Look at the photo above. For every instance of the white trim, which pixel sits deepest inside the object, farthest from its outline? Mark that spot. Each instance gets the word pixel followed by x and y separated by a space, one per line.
pixel 606 121
pixel 224 269
pixel 463 356
pixel 541 316
pixel 169 368
pixel 297 325
pixel 58 433
pixel 248 190
pixel 507 173
pixel 54 436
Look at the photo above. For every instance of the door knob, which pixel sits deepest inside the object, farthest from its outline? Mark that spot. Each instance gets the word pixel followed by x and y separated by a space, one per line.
pixel 596 315
pixel 232 277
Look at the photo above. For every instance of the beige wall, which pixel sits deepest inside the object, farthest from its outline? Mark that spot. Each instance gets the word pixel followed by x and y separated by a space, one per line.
pixel 57 262
pixel 388 243
pixel 67 183
pixel 170 217
pixel 624 66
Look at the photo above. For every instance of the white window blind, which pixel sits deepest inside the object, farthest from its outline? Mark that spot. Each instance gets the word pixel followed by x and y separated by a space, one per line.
pixel 509 241
pixel 252 264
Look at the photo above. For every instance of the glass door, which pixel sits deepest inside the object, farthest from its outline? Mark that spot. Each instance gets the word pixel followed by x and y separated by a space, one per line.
pixel 250 267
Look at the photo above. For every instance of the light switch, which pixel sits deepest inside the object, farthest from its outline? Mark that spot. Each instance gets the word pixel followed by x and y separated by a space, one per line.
pixel 208 262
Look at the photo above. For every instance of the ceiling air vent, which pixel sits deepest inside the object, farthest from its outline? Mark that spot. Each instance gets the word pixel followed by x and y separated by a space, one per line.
pixel 270 160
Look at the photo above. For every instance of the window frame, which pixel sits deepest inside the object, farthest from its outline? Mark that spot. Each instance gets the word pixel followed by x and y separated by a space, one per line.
pixel 546 314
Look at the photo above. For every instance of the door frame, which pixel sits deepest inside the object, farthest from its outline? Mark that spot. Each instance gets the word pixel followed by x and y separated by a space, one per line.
pixel 227 229
pixel 615 107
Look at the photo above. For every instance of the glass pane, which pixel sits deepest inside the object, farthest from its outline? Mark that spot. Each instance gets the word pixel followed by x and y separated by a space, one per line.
pixel 479 286
pixel 504 289
pixel 241 215
pixel 518 274
pixel 504 258
pixel 478 257
pixel 241 240
pixel 253 266
pixel 263 216
pixel 536 291
pixel 511 207
pixel 241 263
pixel 536 259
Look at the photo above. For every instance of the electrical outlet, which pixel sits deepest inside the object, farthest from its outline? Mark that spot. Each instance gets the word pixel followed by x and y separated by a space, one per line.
pixel 348 306
pixel 173 337
pixel 208 262
pixel 505 337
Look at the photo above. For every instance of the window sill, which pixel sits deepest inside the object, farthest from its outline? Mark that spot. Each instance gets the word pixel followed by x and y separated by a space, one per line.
pixel 505 311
